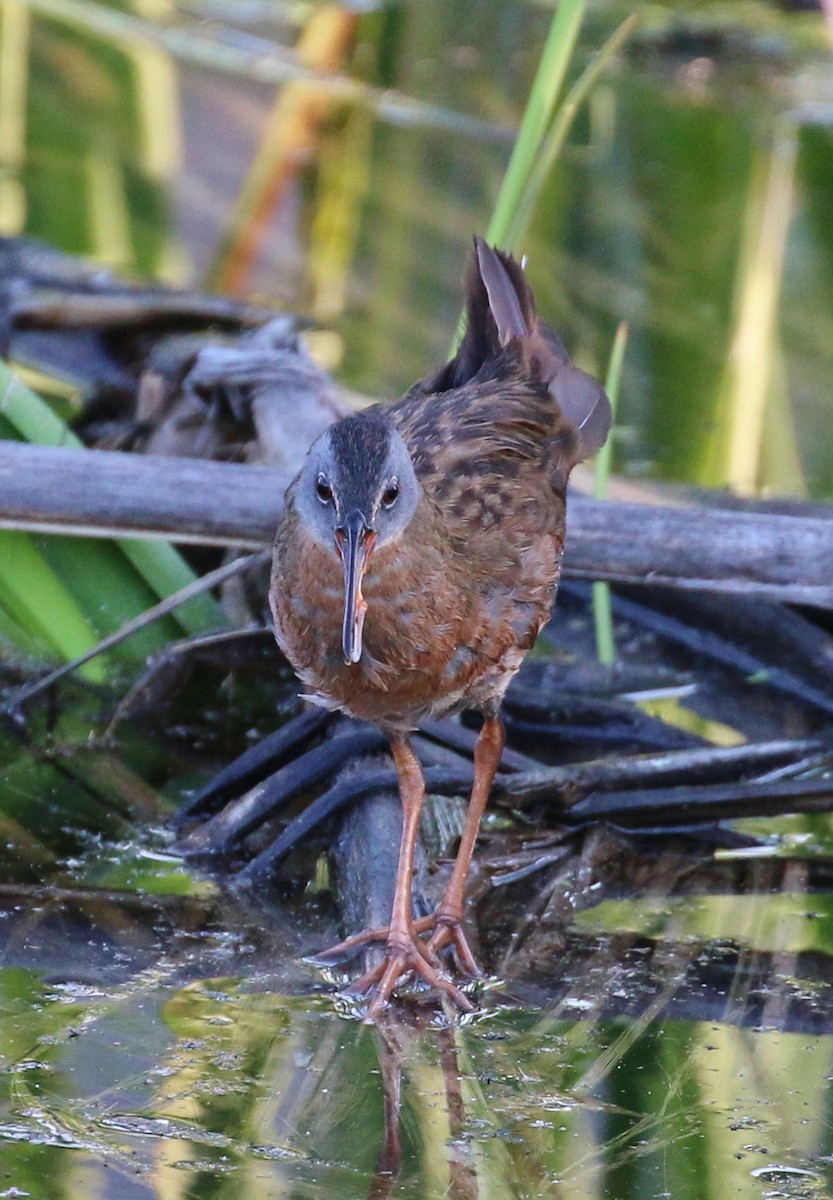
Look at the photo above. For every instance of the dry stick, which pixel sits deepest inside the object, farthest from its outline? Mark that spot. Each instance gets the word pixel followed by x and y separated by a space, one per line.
pixel 712 802
pixel 105 493
pixel 567 785
pixel 15 699
pixel 129 309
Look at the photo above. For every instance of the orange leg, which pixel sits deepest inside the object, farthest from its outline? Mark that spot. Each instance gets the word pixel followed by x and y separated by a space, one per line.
pixel 448 919
pixel 403 952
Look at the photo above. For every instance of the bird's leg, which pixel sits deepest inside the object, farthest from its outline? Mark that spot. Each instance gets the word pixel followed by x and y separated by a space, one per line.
pixel 403 952
pixel 448 919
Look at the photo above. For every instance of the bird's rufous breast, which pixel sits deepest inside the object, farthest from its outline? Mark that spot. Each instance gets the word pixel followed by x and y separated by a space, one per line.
pixel 431 643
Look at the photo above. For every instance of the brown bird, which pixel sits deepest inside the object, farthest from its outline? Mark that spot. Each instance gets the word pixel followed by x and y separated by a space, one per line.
pixel 418 556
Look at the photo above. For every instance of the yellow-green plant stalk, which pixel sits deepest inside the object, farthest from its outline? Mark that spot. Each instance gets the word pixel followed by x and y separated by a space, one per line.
pixel 547 121
pixel 602 614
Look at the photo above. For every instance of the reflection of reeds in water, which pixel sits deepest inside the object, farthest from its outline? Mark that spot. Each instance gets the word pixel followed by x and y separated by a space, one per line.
pixel 753 446
pixel 664 1062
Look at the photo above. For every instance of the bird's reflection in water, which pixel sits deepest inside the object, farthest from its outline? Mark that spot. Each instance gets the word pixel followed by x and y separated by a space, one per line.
pixel 400 1037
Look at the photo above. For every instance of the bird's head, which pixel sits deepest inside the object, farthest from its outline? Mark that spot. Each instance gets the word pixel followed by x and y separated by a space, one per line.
pixel 356 491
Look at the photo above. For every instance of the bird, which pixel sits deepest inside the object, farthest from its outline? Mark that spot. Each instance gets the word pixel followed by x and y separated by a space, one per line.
pixel 417 558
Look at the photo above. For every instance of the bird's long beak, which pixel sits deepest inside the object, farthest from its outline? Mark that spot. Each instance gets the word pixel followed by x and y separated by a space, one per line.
pixel 354 541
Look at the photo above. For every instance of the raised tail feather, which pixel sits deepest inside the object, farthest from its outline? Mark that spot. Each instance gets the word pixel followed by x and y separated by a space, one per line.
pixel 501 316
pixel 500 309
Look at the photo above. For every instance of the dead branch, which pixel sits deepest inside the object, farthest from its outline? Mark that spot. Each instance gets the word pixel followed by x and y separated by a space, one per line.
pixel 110 494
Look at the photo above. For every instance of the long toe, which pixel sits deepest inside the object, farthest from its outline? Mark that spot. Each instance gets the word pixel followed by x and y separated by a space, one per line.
pixel 352 945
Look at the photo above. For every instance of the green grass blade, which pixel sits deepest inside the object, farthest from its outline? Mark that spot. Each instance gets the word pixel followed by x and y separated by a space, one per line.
pixel 106 588
pixel 31 418
pixel 554 137
pixel 36 598
pixel 612 382
pixel 538 116
pixel 165 571
pixel 602 612
pixel 18 641
pixel 130 629
pixel 110 582
pixel 545 125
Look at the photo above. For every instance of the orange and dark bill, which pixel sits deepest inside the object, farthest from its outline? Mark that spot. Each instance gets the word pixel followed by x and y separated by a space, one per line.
pixel 354 541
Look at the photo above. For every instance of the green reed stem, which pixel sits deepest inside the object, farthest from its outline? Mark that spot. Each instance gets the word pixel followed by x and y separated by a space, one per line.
pixel 602 612
pixel 556 133
pixel 546 125
pixel 538 116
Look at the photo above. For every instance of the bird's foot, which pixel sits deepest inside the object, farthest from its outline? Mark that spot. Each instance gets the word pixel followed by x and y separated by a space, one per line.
pixel 407 954
pixel 448 931
pixel 404 955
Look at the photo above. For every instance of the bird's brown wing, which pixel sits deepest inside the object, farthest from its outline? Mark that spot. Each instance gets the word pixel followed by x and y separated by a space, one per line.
pixel 489 429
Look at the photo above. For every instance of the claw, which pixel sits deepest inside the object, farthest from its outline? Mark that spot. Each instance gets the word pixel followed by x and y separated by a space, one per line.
pixel 448 931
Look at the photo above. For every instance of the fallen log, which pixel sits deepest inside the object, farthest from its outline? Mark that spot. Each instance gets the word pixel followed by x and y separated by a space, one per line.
pixel 110 494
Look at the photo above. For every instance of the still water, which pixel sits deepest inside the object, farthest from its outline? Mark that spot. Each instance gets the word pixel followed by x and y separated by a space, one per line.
pixel 152 1048
pixel 158 1039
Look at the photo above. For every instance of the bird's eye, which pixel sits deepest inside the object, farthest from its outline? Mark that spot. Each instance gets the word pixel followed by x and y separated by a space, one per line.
pixel 323 490
pixel 391 494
